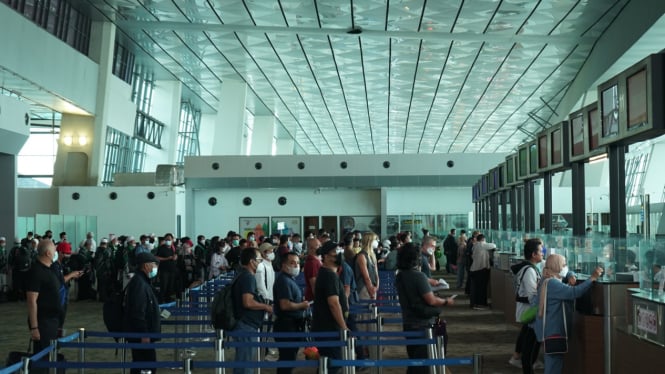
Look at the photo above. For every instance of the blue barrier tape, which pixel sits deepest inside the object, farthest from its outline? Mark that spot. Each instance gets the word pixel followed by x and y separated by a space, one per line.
pixel 107 365
pixel 403 362
pixel 69 338
pixel 152 335
pixel 384 342
pixel 167 305
pixel 390 321
pixel 43 353
pixel 157 345
pixel 245 334
pixel 253 364
pixel 11 369
pixel 366 321
pixel 318 343
pixel 195 322
pixel 393 334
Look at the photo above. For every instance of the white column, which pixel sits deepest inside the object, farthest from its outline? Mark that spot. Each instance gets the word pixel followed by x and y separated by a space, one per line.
pixel 230 118
pixel 103 37
pixel 166 99
pixel 285 146
pixel 263 135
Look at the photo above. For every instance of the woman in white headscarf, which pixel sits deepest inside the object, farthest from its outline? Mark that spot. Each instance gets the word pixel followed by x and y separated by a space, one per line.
pixel 558 297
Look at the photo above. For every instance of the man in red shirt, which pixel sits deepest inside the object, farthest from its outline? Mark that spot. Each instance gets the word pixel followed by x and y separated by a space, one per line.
pixel 312 266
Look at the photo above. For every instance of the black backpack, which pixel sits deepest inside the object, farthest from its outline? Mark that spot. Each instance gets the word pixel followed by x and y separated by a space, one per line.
pixel 222 312
pixel 113 311
pixel 22 259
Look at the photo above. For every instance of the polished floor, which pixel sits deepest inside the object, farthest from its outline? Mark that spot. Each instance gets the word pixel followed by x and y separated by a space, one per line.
pixel 470 331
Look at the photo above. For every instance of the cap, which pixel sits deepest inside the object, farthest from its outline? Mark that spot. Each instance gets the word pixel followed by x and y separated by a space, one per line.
pixel 265 247
pixel 104 240
pixel 145 257
pixel 131 239
pixel 386 243
pixel 3 239
pixel 327 247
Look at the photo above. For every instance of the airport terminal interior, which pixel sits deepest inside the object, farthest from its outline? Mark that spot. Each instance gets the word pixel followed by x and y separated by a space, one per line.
pixel 518 119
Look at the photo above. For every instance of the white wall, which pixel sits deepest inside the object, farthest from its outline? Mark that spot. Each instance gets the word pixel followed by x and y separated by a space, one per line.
pixel 443 200
pixel 132 213
pixel 216 220
pixel 121 110
pixel 33 201
pixel 13 129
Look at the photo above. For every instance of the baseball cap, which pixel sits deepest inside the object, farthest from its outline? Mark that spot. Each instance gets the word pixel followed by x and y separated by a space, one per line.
pixel 386 243
pixel 145 257
pixel 104 240
pixel 326 248
pixel 265 247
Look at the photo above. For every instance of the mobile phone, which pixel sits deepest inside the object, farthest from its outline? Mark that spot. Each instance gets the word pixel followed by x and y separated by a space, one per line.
pixel 453 296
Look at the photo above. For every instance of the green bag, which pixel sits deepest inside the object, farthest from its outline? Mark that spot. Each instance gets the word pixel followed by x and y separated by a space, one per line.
pixel 529 315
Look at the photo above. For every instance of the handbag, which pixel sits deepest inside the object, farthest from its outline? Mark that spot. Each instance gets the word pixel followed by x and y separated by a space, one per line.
pixel 554 344
pixel 529 315
pixel 440 328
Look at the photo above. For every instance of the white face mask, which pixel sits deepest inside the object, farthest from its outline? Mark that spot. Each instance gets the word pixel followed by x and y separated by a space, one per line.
pixel 298 247
pixel 339 250
pixel 430 251
pixel 564 272
pixel 375 244
pixel 167 243
pixel 294 271
pixel 202 242
pixel 270 256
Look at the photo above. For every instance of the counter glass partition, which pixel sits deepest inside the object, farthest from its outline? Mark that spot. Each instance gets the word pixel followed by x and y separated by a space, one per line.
pixel 651 268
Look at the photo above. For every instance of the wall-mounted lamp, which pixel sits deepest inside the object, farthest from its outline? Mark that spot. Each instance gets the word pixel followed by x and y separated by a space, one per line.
pixel 68 140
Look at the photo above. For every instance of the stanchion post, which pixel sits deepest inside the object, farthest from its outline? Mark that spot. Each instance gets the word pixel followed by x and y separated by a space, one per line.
pixel 187 365
pixel 477 363
pixel 379 351
pixel 374 349
pixel 81 340
pixel 123 353
pixel 53 355
pixel 344 336
pixel 323 365
pixel 219 350
pixel 25 368
pixel 431 351
pixel 351 347
pixel 440 350
pixel 176 327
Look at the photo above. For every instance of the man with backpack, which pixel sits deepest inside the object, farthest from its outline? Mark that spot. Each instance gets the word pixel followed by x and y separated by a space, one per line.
pixel 21 258
pixel 141 309
pixel 526 276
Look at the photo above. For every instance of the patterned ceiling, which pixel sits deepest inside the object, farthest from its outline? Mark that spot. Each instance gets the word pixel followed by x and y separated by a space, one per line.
pixel 371 76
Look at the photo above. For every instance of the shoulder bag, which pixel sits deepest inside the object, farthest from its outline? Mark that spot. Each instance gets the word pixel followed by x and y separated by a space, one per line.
pixel 554 344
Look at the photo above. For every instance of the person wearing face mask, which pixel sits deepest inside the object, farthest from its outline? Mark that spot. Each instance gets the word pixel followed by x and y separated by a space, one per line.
pixel 187 264
pixel 427 259
pixel 141 309
pixel 479 272
pixel 331 306
pixel 366 269
pixel 289 307
pixel 248 305
pixel 167 269
pixel 43 297
pixel 558 298
pixel 201 254
pixel 297 244
pixel 265 274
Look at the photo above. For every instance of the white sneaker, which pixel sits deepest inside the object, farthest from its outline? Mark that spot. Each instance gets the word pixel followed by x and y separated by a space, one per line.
pixel 538 365
pixel 272 357
pixel 516 362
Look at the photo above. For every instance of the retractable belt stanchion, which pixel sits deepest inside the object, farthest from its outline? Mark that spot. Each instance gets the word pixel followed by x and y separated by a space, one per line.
pixel 477 363
pixel 187 365
pixel 25 368
pixel 123 353
pixel 176 327
pixel 219 350
pixel 81 339
pixel 441 352
pixel 379 351
pixel 53 355
pixel 431 351
pixel 323 365
pixel 351 349
pixel 344 336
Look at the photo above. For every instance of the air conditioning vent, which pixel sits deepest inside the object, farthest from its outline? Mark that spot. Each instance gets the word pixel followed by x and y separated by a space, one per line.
pixel 169 175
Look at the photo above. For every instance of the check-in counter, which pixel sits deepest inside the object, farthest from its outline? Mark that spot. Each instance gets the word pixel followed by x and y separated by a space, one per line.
pixel 643 339
pixel 594 344
pixel 501 280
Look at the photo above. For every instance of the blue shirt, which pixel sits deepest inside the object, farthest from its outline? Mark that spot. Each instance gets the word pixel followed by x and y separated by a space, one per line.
pixel 246 283
pixel 285 287
pixel 424 265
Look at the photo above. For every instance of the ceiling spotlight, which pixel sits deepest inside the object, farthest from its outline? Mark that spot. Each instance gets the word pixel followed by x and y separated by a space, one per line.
pixel 355 30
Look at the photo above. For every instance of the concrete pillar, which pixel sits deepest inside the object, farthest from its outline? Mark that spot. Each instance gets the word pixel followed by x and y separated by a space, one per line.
pixel 230 118
pixel 263 135
pixel 103 38
pixel 285 146
pixel 9 208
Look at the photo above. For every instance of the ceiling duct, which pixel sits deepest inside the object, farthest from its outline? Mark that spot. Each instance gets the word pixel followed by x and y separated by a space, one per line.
pixel 169 175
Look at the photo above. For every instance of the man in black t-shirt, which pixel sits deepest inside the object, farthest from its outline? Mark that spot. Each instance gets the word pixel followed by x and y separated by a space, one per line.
pixel 43 297
pixel 167 269
pixel 331 306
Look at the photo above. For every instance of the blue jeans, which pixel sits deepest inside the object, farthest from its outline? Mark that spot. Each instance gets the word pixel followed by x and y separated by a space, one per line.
pixel 554 363
pixel 245 354
pixel 460 275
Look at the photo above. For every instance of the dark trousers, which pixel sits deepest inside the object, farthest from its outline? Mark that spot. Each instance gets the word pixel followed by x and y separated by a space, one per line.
pixel 287 354
pixel 416 351
pixel 530 348
pixel 167 286
pixel 520 338
pixel 479 283
pixel 48 330
pixel 149 355
pixel 333 353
